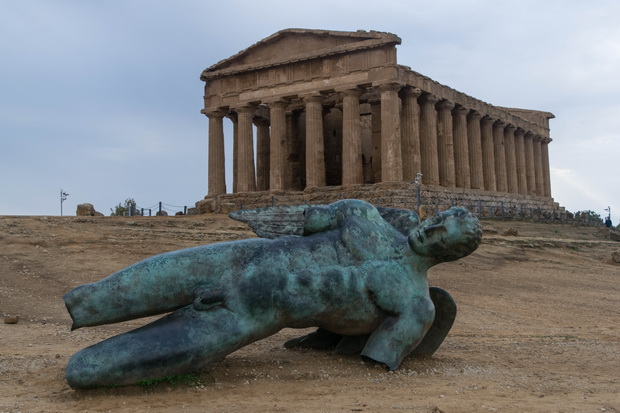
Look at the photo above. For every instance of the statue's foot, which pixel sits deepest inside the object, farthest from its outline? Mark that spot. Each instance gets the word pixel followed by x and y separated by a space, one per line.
pixel 445 313
pixel 320 339
pixel 350 345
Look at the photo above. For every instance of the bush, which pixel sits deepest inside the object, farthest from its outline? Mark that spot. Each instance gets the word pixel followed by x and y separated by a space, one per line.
pixel 126 209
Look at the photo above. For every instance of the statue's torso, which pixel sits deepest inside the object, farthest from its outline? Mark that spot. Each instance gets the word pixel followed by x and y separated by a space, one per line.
pixel 320 281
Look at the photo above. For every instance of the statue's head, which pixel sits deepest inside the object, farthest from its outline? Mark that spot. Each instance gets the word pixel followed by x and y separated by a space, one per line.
pixel 447 236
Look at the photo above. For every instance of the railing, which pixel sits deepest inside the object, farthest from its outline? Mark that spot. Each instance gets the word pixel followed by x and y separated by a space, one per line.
pixel 160 207
pixel 480 208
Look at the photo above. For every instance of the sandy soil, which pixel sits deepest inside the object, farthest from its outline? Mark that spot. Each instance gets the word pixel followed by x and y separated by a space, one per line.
pixel 537 328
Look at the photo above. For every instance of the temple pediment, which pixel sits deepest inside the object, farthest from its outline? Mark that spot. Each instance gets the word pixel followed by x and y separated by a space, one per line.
pixel 295 45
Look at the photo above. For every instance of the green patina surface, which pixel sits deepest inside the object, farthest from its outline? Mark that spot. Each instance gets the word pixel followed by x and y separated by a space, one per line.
pixel 355 271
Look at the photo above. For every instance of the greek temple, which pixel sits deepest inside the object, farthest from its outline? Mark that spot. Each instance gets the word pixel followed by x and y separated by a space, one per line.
pixel 313 111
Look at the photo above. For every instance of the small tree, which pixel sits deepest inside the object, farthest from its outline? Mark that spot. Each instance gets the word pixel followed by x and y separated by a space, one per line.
pixel 590 215
pixel 128 208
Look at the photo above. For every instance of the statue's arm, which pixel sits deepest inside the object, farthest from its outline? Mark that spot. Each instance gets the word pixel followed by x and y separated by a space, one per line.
pixel 404 299
pixel 400 333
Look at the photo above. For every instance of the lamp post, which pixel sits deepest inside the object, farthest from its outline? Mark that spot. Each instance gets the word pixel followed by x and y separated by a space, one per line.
pixel 63 197
pixel 418 198
pixel 608 219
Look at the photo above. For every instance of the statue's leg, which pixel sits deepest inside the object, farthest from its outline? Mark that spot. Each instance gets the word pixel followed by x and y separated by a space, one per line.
pixel 156 285
pixel 445 313
pixel 181 342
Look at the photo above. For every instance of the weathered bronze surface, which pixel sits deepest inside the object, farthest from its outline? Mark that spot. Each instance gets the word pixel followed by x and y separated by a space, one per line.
pixel 356 273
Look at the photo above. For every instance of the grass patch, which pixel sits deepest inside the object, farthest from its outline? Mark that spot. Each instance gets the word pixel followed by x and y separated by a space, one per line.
pixel 564 337
pixel 181 380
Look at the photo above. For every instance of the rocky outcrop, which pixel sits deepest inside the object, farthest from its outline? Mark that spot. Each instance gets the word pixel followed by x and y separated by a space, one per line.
pixel 87 210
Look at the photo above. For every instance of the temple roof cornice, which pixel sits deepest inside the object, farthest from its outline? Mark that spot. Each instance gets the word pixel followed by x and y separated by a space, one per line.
pixel 517 117
pixel 359 40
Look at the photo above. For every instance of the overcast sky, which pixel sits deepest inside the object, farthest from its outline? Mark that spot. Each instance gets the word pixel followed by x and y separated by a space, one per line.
pixel 103 98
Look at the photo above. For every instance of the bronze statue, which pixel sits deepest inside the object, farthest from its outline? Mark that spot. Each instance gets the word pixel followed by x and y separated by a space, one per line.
pixel 356 272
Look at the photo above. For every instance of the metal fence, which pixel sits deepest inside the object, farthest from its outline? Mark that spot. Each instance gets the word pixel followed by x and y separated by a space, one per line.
pixel 159 209
pixel 482 209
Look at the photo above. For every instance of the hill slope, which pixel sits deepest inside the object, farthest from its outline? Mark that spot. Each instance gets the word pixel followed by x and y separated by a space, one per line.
pixel 537 328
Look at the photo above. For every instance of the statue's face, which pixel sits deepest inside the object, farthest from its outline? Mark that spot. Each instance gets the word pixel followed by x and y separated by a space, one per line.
pixel 447 236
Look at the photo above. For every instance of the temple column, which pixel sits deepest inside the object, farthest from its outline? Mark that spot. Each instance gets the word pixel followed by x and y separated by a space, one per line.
pixel 245 150
pixel 262 154
pixel 295 145
pixel 474 141
pixel 235 121
pixel 352 172
pixel 520 155
pixel 391 155
pixel 500 156
pixel 217 173
pixel 410 133
pixel 461 147
pixel 545 165
pixel 428 139
pixel 529 163
pixel 375 119
pixel 511 159
pixel 445 143
pixel 488 154
pixel 315 157
pixel 277 144
pixel 538 166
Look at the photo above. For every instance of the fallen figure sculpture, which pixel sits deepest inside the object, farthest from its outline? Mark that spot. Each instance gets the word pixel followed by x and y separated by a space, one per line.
pixel 356 272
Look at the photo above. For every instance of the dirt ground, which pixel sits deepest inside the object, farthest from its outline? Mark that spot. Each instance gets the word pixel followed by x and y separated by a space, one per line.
pixel 537 329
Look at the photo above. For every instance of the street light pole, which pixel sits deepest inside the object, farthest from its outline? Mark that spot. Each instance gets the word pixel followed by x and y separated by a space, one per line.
pixel 418 198
pixel 63 197
pixel 608 218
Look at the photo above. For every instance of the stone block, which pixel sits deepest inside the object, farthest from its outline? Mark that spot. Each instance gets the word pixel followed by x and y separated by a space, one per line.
pixel 87 210
pixel 206 206
pixel 226 207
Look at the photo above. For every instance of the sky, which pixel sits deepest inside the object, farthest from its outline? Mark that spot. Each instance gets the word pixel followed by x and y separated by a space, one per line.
pixel 102 99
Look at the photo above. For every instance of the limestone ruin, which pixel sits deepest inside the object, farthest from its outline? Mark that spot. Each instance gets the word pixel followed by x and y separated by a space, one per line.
pixel 336 116
pixel 87 210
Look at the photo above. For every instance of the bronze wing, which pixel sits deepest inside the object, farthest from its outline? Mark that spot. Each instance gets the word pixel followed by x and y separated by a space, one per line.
pixel 277 221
